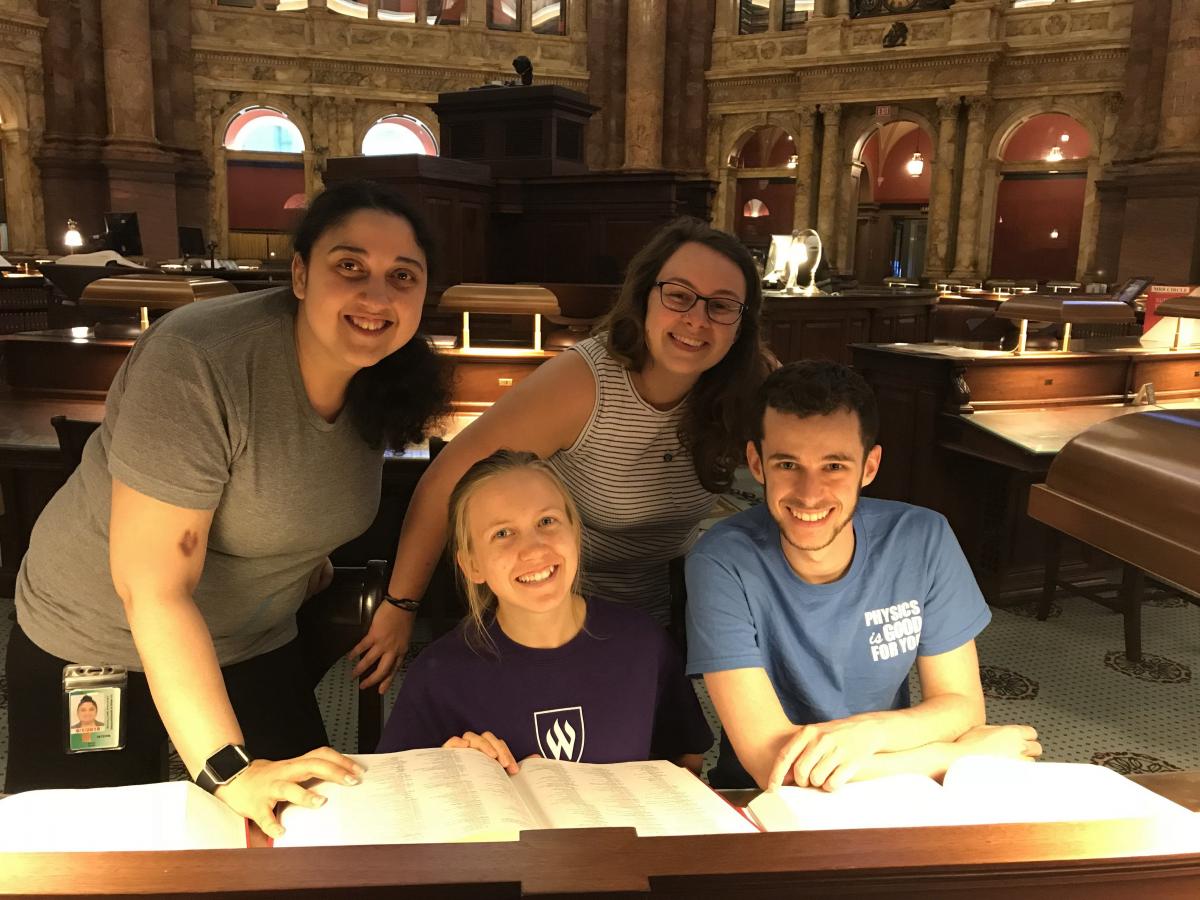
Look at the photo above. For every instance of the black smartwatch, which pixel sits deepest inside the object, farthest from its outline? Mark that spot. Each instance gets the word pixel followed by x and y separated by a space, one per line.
pixel 222 767
pixel 403 603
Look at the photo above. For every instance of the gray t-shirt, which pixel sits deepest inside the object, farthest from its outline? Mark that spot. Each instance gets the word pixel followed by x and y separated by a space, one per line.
pixel 208 412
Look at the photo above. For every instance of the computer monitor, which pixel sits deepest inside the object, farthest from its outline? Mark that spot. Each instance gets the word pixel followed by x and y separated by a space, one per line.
pixel 191 241
pixel 122 233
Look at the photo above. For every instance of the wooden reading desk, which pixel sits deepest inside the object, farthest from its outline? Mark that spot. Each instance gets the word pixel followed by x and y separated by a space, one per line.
pixel 1135 858
pixel 967 431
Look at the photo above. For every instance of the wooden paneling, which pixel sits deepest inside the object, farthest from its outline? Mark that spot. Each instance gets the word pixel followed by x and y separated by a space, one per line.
pixel 824 327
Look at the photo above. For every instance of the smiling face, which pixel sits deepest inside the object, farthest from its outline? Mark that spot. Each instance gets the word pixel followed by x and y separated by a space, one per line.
pixel 813 470
pixel 687 344
pixel 361 294
pixel 521 543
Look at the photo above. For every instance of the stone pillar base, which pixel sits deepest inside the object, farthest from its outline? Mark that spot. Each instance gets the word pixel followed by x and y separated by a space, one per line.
pixel 1159 220
pixel 141 179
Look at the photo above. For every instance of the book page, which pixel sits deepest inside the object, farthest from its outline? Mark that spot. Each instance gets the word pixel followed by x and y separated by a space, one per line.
pixel 1008 790
pixel 657 798
pixel 418 796
pixel 174 815
pixel 895 801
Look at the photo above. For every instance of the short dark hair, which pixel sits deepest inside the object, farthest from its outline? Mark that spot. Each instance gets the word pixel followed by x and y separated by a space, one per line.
pixel 817 387
pixel 713 427
pixel 395 402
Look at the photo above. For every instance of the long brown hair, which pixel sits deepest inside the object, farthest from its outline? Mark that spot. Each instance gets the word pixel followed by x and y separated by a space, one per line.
pixel 714 424
pixel 481 600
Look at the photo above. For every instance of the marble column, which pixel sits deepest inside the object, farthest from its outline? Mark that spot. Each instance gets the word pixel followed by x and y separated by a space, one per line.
pixel 645 57
pixel 966 246
pixel 937 252
pixel 141 175
pixel 802 216
pixel 1089 229
pixel 128 76
pixel 831 177
pixel 1179 131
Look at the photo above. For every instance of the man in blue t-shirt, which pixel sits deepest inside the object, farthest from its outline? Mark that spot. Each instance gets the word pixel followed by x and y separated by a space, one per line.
pixel 805 614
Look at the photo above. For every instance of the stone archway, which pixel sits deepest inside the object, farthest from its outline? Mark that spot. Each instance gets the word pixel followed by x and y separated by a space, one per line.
pixel 885 208
pixel 1066 186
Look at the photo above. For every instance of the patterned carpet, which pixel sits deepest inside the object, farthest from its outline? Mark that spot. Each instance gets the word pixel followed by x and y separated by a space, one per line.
pixel 1067 676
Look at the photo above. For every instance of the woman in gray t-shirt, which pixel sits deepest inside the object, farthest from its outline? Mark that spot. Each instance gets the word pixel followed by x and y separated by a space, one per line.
pixel 242 442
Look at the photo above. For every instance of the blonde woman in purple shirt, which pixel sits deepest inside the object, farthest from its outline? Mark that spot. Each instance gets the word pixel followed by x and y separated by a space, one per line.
pixel 536 669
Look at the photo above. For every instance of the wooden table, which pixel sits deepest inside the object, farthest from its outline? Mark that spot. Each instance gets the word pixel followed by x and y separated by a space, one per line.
pixel 1060 861
pixel 967 431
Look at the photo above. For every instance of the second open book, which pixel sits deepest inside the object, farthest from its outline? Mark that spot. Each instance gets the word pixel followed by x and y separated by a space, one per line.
pixel 977 790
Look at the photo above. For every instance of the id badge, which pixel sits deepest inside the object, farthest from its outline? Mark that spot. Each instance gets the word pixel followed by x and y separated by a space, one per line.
pixel 93 708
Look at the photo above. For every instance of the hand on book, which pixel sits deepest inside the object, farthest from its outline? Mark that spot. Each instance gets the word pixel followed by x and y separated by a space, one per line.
pixel 254 793
pixel 383 647
pixel 827 754
pixel 1013 741
pixel 487 744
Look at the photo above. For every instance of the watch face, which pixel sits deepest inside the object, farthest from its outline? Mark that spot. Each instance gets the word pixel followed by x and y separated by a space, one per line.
pixel 227 762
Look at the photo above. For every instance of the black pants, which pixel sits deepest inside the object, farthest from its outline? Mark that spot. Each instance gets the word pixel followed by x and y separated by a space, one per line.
pixel 271 698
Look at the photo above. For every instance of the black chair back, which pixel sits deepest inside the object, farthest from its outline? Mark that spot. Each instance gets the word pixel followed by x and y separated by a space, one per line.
pixel 332 621
pixel 72 435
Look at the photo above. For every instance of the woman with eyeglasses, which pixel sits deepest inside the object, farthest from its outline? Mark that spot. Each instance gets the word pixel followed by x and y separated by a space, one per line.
pixel 643 422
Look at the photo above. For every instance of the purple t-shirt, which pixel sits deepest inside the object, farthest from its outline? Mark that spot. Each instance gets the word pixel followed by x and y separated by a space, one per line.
pixel 616 692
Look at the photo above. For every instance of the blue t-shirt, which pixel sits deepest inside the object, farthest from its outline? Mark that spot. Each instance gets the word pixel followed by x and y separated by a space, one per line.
pixel 832 650
pixel 616 692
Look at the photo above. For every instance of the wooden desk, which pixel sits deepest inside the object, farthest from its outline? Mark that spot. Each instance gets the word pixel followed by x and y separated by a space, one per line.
pixel 1059 861
pixel 978 472
pixel 823 327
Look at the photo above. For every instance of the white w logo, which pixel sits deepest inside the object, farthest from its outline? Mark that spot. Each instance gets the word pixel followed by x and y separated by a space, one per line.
pixel 561 741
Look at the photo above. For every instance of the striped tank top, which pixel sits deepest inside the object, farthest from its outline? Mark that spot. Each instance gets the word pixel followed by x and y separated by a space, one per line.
pixel 637 492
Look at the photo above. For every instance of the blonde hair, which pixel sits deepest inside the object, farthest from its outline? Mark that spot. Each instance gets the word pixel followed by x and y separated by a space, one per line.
pixel 481 599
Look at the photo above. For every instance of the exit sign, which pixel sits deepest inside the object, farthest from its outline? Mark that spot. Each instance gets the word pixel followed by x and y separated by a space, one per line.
pixel 883 112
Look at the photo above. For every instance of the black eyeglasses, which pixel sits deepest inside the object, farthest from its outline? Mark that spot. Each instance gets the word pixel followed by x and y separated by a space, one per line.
pixel 678 298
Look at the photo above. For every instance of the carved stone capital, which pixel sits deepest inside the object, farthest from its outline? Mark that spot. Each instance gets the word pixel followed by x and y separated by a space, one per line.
pixel 805 112
pixel 832 113
pixel 948 107
pixel 978 107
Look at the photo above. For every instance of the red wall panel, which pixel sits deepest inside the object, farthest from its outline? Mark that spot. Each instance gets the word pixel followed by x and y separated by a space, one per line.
pixel 1027 210
pixel 257 193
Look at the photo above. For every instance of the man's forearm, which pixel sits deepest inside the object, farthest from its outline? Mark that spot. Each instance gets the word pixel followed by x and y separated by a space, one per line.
pixel 944 718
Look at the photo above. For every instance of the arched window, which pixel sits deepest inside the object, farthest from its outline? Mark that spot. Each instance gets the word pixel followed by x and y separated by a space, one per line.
pixel 398 134
pixel 264 130
pixel 755 209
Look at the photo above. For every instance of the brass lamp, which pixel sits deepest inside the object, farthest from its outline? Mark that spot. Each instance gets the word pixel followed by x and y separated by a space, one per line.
pixel 152 291
pixel 1065 309
pixel 1181 308
pixel 500 299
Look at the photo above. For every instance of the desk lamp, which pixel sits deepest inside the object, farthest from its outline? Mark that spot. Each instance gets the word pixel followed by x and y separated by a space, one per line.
pixel 806 246
pixel 1181 308
pixel 1065 309
pixel 146 292
pixel 500 299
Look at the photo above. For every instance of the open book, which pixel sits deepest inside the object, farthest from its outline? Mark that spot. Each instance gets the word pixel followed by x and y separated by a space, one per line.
pixel 435 796
pixel 173 815
pixel 977 790
pixel 419 796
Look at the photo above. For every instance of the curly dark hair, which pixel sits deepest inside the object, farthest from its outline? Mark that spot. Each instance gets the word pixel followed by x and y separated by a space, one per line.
pixel 714 427
pixel 395 402
pixel 817 387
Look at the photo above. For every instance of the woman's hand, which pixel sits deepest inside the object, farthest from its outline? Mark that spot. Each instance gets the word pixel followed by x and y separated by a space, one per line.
pixel 254 793
pixel 487 744
pixel 383 647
